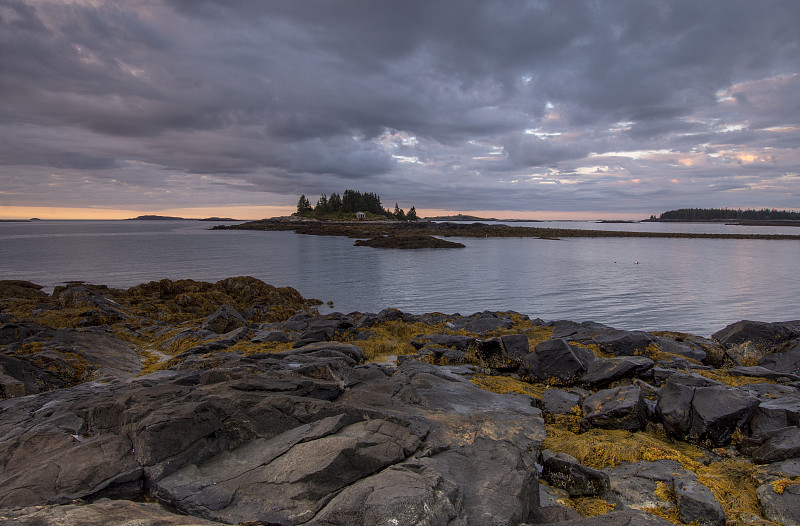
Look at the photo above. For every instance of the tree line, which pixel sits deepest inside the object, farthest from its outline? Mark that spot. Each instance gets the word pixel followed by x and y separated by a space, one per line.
pixel 350 203
pixel 726 214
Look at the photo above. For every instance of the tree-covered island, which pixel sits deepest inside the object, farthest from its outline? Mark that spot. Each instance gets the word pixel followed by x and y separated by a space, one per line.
pixel 349 205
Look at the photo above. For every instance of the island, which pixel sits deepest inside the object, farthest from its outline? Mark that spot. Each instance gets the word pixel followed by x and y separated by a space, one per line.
pixel 366 229
pixel 237 402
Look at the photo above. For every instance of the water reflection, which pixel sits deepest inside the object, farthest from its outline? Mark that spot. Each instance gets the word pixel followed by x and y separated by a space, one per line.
pixel 691 285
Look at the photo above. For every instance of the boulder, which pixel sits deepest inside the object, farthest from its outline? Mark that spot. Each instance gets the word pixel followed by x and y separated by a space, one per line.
pixel 783 362
pixel 746 342
pixel 609 340
pixel 462 343
pixel 563 471
pixel 775 415
pixel 635 485
pixel 562 402
pixel 483 322
pixel 603 371
pixel 780 503
pixel 619 408
pixel 225 319
pixel 270 336
pixel 503 354
pixel 556 361
pixel 784 445
pixel 100 513
pixel 710 413
pixel 687 349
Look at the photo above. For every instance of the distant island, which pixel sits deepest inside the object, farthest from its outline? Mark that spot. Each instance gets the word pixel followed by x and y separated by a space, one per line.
pixel 352 204
pixel 173 218
pixel 764 216
pixel 460 217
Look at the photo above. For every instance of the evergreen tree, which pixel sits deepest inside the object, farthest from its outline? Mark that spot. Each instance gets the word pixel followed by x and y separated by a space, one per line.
pixel 303 206
pixel 412 214
pixel 398 213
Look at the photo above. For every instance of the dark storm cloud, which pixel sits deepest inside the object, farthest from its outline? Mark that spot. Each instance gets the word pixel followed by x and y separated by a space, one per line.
pixel 494 104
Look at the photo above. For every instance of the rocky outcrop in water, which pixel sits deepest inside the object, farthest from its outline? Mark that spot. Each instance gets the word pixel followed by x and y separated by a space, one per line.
pixel 237 403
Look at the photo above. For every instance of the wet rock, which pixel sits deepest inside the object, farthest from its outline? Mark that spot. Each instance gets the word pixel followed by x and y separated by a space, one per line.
pixel 775 415
pixel 503 354
pixel 603 371
pixel 557 361
pixel 783 362
pixel 483 322
pixel 619 408
pixel 270 336
pixel 746 342
pixel 763 372
pixel 608 339
pixel 563 471
pixel 782 506
pixel 462 343
pixel 223 320
pixel 687 349
pixel 100 513
pixel 703 413
pixel 784 445
pixel 559 401
pixel 636 485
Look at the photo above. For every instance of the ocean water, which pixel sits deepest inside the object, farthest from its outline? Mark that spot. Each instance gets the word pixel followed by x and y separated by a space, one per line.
pixel 691 285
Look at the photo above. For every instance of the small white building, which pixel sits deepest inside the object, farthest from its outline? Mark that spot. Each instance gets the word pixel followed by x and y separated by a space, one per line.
pixel 360 215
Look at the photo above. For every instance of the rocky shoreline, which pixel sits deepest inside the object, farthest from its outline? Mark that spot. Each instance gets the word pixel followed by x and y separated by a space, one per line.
pixel 182 402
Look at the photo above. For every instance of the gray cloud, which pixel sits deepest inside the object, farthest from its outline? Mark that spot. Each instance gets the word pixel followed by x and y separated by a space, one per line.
pixel 462 104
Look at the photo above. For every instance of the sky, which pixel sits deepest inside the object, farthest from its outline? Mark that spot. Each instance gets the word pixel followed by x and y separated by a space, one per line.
pixel 538 109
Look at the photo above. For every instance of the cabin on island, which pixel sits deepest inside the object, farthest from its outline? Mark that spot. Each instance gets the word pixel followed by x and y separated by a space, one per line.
pixel 360 215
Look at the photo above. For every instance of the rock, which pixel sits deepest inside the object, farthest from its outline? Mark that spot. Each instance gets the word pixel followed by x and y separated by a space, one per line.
pixel 636 485
pixel 603 371
pixel 270 336
pixel 563 402
pixel 703 413
pixel 14 288
pixel 784 445
pixel 746 342
pixel 462 343
pixel 782 507
pixel 557 361
pixel 100 513
pixel 686 349
pixel 503 354
pixel 696 503
pixel 577 480
pixel 407 241
pixel 608 339
pixel 783 362
pixel 253 440
pixel 223 320
pixel 619 518
pixel 773 416
pixel 763 372
pixel 483 322
pixel 619 408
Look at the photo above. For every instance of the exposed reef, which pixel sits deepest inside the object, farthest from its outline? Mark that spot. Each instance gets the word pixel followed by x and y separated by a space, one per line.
pixel 407 241
pixel 183 402
pixel 373 229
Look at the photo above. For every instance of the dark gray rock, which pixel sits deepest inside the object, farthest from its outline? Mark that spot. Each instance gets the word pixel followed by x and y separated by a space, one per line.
pixel 784 445
pixel 603 371
pixel 634 485
pixel 462 343
pixel 223 320
pixel 558 401
pixel 775 415
pixel 783 362
pixel 270 336
pixel 556 361
pixel 503 354
pixel 783 507
pixel 619 408
pixel 748 342
pixel 703 413
pixel 257 439
pixel 687 349
pixel 577 480
pixel 483 322
pixel 100 513
pixel 763 372
pixel 619 518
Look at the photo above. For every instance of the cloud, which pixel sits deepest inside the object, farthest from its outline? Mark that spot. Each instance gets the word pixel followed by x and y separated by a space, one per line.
pixel 463 104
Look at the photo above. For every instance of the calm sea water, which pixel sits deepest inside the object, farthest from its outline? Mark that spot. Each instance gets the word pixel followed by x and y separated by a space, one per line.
pixel 691 285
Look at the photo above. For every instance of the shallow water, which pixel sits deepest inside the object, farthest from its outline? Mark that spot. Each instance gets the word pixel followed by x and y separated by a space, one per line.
pixel 691 285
